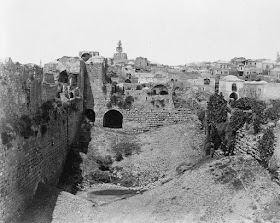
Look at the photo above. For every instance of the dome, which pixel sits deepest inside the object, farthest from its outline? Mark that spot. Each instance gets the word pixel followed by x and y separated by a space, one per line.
pixel 130 63
pixel 230 78
pixel 146 89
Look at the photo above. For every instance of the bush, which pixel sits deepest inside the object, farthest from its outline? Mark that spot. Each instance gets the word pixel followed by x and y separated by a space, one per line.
pixel 243 103
pixel 266 146
pixel 217 108
pixel 100 176
pixel 259 117
pixel 258 109
pixel 237 120
pixel 125 149
pixel 24 126
pixel 104 89
pixel 104 162
pixel 109 105
pixel 273 113
pixel 129 99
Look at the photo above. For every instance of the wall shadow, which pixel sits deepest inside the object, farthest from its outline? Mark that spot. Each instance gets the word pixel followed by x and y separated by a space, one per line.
pixel 42 206
pixel 71 176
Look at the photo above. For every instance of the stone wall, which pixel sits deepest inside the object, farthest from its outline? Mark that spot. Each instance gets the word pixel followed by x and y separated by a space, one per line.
pixel 39 154
pixel 150 119
pixel 247 144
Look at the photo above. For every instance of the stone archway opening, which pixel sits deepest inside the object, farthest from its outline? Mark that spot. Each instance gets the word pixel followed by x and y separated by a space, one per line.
pixel 113 119
pixel 90 114
pixel 128 81
pixel 234 96
pixel 160 90
pixel 163 93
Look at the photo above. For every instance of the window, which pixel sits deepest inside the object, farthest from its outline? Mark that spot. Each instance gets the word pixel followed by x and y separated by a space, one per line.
pixel 234 87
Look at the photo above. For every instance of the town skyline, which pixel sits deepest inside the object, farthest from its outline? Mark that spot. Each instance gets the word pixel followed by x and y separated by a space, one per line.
pixel 171 34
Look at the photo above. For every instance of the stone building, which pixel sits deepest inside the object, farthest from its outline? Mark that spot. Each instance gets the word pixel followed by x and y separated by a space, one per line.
pixel 92 53
pixel 253 89
pixel 142 64
pixel 220 68
pixel 275 74
pixel 230 86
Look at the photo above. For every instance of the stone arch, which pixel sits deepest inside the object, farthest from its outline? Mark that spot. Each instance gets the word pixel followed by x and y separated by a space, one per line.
pixel 127 81
pixel 233 95
pixel 113 119
pixel 160 90
pixel 90 114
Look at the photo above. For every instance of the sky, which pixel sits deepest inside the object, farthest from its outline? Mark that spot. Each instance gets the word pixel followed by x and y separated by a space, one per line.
pixel 170 32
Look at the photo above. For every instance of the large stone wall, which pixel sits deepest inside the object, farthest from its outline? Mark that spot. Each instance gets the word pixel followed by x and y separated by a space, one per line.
pixel 37 155
pixel 150 119
pixel 247 144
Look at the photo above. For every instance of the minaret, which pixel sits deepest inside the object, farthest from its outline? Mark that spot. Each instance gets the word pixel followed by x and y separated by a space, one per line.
pixel 119 56
pixel 278 57
pixel 119 47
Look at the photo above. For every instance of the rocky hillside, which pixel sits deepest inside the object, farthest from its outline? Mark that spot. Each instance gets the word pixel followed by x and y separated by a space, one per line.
pixel 234 189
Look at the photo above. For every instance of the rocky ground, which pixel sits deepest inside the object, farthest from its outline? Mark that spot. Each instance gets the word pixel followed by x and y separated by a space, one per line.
pixel 176 183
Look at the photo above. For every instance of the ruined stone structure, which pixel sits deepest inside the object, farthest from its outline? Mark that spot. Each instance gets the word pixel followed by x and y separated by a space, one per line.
pixel 37 127
pixel 142 64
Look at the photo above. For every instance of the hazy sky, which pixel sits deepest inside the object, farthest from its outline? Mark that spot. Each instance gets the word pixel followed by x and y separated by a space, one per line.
pixel 170 32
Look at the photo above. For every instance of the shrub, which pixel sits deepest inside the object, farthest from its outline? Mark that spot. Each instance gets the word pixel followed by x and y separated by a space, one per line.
pixel 217 108
pixel 100 176
pixel 24 126
pixel 109 105
pixel 237 120
pixel 258 109
pixel 266 146
pixel 129 99
pixel 104 89
pixel 125 149
pixel 273 113
pixel 243 103
pixel 104 162
pixel 259 117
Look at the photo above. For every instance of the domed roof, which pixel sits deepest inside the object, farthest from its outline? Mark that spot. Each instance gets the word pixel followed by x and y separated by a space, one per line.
pixel 231 78
pixel 145 89
pixel 130 63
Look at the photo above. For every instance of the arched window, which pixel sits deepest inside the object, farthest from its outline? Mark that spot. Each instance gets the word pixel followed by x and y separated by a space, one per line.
pixel 234 87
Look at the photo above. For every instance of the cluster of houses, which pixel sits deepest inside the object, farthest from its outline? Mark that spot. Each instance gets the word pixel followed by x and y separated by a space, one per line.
pixel 240 77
